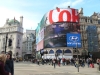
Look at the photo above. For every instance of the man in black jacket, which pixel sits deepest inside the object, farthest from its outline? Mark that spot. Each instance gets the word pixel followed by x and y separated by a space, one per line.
pixel 9 65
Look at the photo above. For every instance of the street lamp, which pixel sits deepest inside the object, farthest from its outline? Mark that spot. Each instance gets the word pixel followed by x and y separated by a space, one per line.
pixel 62 53
pixel 27 42
pixel 76 50
pixel 46 53
pixel 6 42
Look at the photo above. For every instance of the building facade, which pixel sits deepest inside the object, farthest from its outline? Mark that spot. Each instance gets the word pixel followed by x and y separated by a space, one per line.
pixel 89 30
pixel 11 37
pixel 51 32
pixel 34 48
pixel 28 38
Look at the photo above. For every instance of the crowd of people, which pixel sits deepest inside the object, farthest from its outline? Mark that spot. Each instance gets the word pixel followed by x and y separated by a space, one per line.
pixel 6 63
pixel 74 61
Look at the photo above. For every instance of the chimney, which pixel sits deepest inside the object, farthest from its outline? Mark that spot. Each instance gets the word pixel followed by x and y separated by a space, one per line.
pixel 7 20
pixel 58 9
pixel 14 19
pixel 68 6
pixel 21 20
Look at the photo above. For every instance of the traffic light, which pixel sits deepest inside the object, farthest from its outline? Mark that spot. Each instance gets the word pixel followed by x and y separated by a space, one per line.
pixel 41 52
pixel 10 42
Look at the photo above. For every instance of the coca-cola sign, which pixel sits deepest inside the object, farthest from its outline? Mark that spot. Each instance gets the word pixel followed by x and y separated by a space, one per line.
pixel 62 15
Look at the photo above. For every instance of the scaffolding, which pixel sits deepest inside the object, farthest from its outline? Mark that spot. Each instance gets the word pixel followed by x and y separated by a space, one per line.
pixel 92 38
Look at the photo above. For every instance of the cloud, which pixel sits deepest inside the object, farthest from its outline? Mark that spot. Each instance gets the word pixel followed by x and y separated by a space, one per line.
pixel 29 24
pixel 5 13
pixel 76 2
pixel 69 3
pixel 17 2
pixel 30 19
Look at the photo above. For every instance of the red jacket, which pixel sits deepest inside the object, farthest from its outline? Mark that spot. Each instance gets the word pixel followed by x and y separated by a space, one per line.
pixel 2 70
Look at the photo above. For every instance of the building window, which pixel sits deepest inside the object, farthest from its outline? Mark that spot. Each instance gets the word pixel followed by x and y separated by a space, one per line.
pixel 85 20
pixel 30 48
pixel 91 21
pixel 10 42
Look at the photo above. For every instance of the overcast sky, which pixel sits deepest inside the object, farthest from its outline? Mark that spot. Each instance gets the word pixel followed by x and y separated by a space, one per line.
pixel 33 10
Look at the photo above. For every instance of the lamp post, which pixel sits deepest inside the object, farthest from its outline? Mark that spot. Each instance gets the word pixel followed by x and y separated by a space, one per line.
pixel 27 42
pixel 77 56
pixel 56 55
pixel 62 53
pixel 27 48
pixel 46 54
pixel 6 42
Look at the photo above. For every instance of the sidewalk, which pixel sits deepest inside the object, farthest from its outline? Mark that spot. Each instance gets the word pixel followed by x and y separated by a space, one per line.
pixel 73 70
pixel 84 71
pixel 49 69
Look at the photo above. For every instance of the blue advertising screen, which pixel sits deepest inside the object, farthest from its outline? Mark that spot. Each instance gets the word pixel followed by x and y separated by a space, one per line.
pixel 73 40
pixel 55 34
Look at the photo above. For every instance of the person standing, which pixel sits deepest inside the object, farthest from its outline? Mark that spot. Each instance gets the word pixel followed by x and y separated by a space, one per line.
pixel 2 63
pixel 88 62
pixel 54 63
pixel 9 65
pixel 38 62
pixel 59 62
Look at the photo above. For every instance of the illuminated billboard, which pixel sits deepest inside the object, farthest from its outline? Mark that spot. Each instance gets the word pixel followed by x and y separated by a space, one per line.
pixel 61 15
pixel 54 26
pixel 55 34
pixel 73 40
pixel 39 37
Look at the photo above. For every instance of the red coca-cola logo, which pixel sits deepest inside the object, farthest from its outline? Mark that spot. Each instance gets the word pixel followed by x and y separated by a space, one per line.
pixel 71 15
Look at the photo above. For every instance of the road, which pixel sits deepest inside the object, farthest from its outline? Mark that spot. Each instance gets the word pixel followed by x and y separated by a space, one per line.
pixel 28 68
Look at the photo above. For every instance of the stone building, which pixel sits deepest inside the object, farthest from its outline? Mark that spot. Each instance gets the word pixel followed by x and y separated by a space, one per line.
pixel 11 36
pixel 89 25
pixel 34 48
pixel 28 38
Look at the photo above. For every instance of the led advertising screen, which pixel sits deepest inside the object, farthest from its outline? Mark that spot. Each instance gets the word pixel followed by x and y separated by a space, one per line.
pixel 56 24
pixel 39 37
pixel 61 15
pixel 55 34
pixel 73 40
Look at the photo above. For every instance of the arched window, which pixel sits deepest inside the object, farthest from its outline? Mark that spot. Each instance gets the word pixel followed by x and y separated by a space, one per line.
pixel 67 51
pixel 59 51
pixel 51 52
